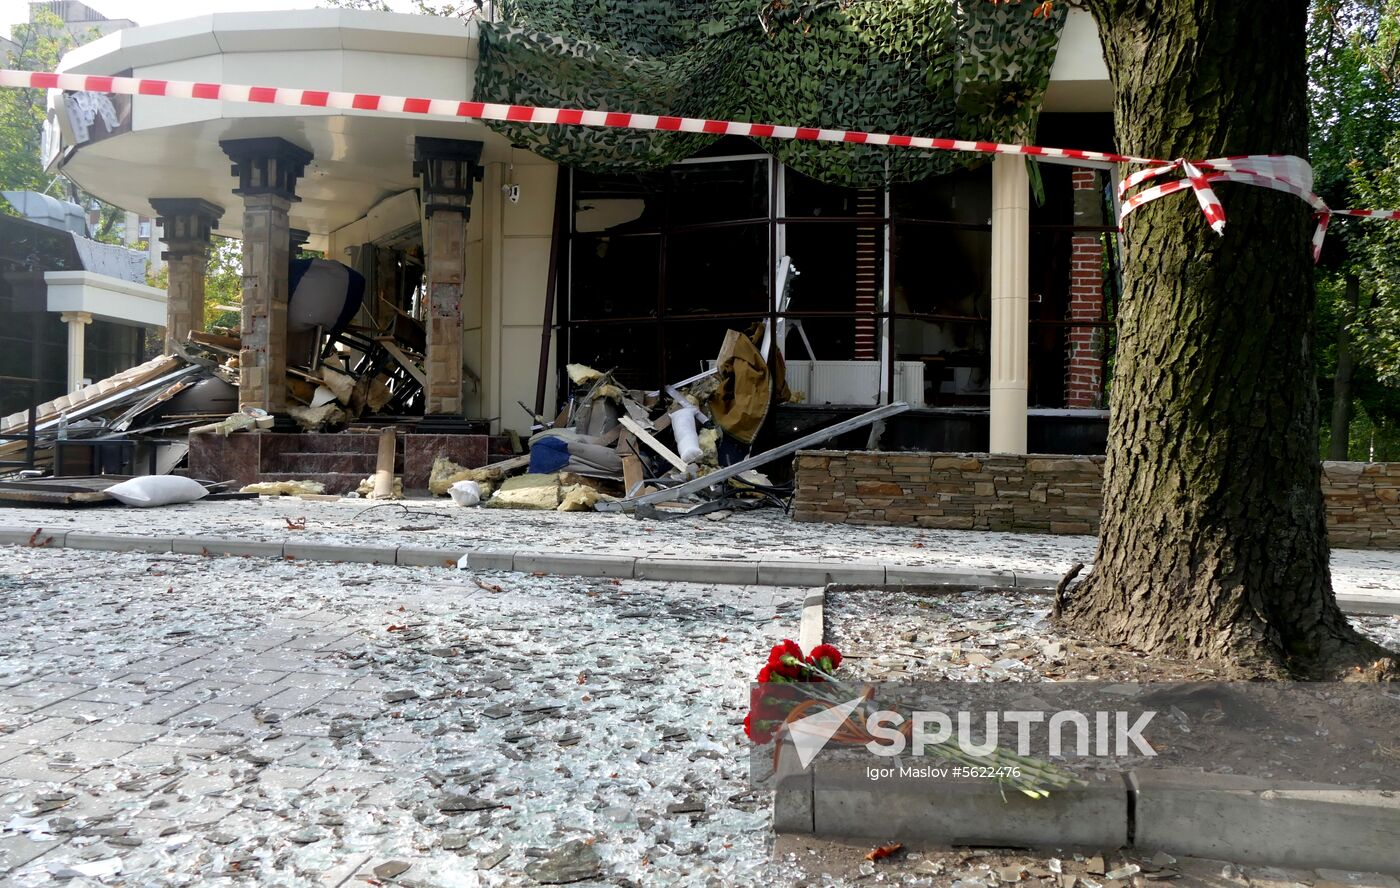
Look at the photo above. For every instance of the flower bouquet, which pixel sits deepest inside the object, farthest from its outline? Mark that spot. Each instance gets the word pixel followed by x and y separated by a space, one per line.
pixel 792 687
pixel 770 707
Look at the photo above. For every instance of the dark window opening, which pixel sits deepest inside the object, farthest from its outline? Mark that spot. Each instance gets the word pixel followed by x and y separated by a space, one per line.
pixel 661 265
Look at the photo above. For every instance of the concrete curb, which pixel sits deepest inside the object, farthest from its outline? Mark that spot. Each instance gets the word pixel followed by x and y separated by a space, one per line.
pixel 335 552
pixel 735 573
pixel 813 627
pixel 818 573
pixel 1179 812
pixel 36 537
pixel 725 572
pixel 1247 820
pixel 111 542
pixel 424 556
pixel 845 801
pixel 618 567
pixel 1370 607
pixel 216 547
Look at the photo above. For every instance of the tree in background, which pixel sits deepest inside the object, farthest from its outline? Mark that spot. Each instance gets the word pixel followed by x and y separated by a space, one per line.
pixel 22 111
pixel 223 283
pixel 1355 102
pixel 42 42
pixel 1378 329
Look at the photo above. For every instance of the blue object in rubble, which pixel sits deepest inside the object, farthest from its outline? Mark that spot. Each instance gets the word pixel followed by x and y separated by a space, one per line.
pixel 548 455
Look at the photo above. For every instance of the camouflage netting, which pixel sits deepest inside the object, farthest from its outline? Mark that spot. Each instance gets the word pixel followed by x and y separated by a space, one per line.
pixel 960 68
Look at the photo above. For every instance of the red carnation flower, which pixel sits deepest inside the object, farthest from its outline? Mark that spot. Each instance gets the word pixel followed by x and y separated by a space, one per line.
pixel 787 648
pixel 825 657
pixel 773 701
pixel 765 675
pixel 786 659
pixel 756 734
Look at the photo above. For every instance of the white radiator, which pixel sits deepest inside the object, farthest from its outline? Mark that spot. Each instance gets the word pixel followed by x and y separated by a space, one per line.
pixel 854 383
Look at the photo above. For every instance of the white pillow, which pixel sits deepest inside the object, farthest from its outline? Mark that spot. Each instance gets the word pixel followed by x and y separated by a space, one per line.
pixel 157 490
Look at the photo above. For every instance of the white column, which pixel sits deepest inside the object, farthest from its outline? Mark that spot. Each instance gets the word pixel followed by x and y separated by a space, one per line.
pixel 77 322
pixel 1010 303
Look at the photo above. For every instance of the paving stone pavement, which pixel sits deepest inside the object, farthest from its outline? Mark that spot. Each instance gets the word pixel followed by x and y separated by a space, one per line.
pixel 178 720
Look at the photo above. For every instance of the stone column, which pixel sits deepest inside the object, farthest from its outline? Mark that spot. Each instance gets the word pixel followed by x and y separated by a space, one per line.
pixel 267 171
pixel 449 168
pixel 186 223
pixel 1085 371
pixel 77 322
pixel 1010 303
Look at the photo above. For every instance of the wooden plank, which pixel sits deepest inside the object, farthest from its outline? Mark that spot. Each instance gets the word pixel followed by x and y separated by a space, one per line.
pixel 384 467
pixel 698 484
pixel 649 440
pixel 84 409
pixel 633 473
pixel 404 361
pixel 509 465
pixel 214 340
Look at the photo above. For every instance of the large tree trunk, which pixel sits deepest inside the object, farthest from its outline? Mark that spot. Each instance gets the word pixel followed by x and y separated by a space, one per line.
pixel 1339 442
pixel 1213 538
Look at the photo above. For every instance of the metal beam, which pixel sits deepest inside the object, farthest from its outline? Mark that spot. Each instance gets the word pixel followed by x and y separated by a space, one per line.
pixel 753 462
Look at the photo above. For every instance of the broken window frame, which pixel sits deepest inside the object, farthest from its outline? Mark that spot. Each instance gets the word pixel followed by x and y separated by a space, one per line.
pixel 669 325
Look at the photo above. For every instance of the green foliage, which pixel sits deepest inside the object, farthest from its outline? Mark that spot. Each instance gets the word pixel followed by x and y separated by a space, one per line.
pixel 932 67
pixel 42 44
pixel 223 283
pixel 1354 97
pixel 1375 425
pixel 1377 328
pixel 1372 438
pixel 1354 88
pixel 22 111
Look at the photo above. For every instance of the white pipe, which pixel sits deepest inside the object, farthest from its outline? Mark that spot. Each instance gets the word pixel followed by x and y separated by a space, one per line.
pixel 687 438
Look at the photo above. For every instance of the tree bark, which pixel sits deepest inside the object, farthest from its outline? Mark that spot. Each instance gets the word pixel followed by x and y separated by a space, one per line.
pixel 1339 442
pixel 1213 541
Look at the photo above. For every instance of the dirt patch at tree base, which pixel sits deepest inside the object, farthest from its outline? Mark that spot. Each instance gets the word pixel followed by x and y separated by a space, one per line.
pixel 826 860
pixel 999 635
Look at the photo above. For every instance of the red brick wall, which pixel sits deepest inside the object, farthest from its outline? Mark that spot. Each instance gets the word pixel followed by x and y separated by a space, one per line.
pixel 1084 370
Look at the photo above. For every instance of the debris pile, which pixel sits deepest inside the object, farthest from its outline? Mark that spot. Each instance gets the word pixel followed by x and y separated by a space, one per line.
pixel 691 448
pixel 136 422
pixel 685 450
pixel 156 400
pixel 348 375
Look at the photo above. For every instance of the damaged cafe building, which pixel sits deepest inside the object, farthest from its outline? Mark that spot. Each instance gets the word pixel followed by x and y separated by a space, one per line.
pixel 466 268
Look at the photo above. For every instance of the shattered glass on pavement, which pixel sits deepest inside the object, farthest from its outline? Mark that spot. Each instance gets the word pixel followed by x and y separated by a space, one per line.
pixel 173 720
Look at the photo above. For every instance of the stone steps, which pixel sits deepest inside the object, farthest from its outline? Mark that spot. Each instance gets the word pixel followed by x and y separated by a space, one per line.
pixel 335 482
pixel 303 461
pixel 277 456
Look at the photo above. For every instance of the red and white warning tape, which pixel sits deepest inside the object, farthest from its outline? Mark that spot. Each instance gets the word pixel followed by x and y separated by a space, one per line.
pixel 1278 172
